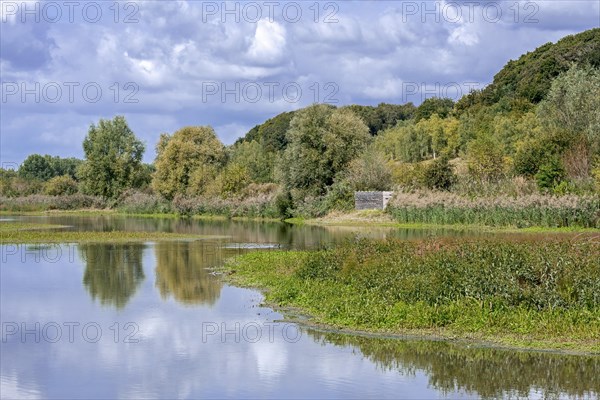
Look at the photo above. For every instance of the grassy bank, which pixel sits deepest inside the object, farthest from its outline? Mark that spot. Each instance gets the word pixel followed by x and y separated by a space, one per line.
pixel 19 232
pixel 517 292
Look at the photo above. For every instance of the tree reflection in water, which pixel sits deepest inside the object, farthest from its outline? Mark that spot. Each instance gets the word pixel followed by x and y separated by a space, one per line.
pixel 488 372
pixel 181 271
pixel 113 271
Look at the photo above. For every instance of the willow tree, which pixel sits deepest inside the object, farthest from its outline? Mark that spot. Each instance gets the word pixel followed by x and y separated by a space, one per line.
pixel 187 161
pixel 322 141
pixel 571 115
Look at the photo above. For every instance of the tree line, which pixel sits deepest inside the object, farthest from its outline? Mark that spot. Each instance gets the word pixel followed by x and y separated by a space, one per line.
pixel 542 134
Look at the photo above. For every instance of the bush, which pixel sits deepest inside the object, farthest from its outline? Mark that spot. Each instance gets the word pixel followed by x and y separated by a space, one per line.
pixel 234 179
pixel 439 174
pixel 550 175
pixel 370 171
pixel 340 196
pixel 60 185
pixel 284 204
pixel 486 159
pixel 260 189
pixel 596 175
pixel 530 155
pixel 408 176
pixel 309 207
pixel 262 206
pixel 13 185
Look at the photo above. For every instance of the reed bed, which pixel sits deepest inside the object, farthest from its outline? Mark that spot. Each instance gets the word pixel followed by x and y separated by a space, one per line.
pixel 259 206
pixel 525 211
pixel 39 202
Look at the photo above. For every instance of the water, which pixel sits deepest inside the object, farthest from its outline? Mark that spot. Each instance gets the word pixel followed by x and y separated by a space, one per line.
pixel 153 320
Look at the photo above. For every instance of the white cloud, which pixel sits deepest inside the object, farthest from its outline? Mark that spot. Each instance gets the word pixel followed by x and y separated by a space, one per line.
pixel 386 89
pixel 268 44
pixel 171 52
pixel 463 35
pixel 11 388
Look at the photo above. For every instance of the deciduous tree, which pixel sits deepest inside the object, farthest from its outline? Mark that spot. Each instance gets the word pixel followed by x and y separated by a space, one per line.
pixel 187 161
pixel 113 158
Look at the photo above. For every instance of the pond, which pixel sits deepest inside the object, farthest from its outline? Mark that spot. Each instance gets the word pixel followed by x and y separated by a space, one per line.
pixel 153 320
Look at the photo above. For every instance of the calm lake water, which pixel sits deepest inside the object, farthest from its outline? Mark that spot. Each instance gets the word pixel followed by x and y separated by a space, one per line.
pixel 152 320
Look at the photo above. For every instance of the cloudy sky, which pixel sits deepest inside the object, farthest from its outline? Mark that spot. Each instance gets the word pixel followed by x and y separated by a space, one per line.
pixel 231 65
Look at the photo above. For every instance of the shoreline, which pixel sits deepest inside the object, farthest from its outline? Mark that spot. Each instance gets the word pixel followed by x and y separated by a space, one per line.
pixel 332 306
pixel 17 233
pixel 505 342
pixel 423 335
pixel 116 213
pixel 354 219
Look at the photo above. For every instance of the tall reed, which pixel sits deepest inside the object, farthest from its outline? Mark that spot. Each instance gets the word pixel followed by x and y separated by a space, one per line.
pixel 525 211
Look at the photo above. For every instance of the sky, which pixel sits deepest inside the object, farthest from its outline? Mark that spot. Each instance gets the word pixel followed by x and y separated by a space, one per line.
pixel 64 65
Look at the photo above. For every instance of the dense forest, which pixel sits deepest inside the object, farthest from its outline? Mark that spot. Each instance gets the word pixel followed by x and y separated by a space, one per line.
pixel 535 130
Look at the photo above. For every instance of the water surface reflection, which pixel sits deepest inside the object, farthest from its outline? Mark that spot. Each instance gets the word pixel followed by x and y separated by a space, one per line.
pixel 182 271
pixel 486 372
pixel 195 337
pixel 113 272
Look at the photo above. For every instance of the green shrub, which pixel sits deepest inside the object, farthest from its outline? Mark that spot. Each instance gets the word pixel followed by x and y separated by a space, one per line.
pixel 284 204
pixel 340 196
pixel 408 176
pixel 310 207
pixel 439 174
pixel 60 185
pixel 596 175
pixel 234 179
pixel 370 171
pixel 485 158
pixel 530 155
pixel 550 175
